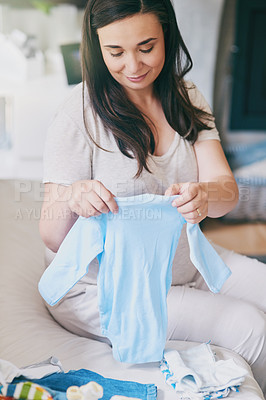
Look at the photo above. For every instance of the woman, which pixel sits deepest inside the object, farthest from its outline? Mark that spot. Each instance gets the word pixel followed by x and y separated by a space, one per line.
pixel 136 126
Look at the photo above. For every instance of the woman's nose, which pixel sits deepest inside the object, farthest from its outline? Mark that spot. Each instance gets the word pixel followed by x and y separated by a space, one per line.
pixel 133 64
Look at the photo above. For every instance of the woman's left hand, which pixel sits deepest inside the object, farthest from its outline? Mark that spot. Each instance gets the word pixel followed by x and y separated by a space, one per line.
pixel 192 202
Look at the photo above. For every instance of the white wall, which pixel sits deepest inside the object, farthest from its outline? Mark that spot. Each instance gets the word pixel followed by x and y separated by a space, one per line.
pixel 199 23
pixel 34 101
pixel 50 30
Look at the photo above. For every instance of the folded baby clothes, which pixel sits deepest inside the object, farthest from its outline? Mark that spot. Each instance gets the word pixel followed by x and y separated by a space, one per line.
pixel 135 249
pixel 196 374
pixel 58 383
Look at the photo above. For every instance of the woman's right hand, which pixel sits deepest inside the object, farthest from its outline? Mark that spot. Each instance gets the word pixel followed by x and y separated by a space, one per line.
pixel 90 198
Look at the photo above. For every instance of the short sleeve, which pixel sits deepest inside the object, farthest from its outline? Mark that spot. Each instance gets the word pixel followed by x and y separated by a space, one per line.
pixel 200 102
pixel 67 153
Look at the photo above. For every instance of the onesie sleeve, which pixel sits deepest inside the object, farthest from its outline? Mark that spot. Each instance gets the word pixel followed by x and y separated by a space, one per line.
pixel 68 152
pixel 199 101
pixel 81 245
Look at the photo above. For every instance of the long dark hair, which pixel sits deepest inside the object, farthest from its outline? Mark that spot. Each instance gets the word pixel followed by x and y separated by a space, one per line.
pixel 108 98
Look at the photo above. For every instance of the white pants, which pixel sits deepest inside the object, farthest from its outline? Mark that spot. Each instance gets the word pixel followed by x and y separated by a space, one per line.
pixel 235 318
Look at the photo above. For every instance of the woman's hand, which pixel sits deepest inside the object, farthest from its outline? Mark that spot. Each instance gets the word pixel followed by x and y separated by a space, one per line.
pixel 89 198
pixel 192 202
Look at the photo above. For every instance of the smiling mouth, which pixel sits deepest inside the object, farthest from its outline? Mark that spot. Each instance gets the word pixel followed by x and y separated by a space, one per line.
pixel 137 78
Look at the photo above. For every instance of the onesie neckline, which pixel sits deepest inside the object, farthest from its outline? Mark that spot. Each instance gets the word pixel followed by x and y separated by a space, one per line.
pixel 144 198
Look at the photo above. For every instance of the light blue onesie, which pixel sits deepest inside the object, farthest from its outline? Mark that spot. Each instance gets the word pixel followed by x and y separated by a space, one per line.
pixel 135 249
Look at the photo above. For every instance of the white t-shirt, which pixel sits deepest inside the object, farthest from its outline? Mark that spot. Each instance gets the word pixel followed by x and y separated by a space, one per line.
pixel 70 155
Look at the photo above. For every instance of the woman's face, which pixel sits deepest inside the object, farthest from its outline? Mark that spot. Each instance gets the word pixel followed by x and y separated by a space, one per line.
pixel 133 50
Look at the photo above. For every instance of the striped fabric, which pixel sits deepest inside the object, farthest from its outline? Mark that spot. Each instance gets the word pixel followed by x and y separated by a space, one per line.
pixel 25 391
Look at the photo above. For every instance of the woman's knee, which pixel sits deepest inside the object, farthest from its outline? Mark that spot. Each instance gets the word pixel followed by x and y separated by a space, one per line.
pixel 250 325
pixel 247 281
pixel 200 316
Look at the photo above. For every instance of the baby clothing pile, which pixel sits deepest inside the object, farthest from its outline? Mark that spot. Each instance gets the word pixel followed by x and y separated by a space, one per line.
pixel 48 381
pixel 195 373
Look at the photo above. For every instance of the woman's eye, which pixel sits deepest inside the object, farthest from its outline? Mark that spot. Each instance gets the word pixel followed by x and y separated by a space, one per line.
pixel 116 54
pixel 147 51
pixel 142 51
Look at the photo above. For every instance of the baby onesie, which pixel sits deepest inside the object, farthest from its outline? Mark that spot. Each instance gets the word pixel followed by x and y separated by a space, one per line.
pixel 135 249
